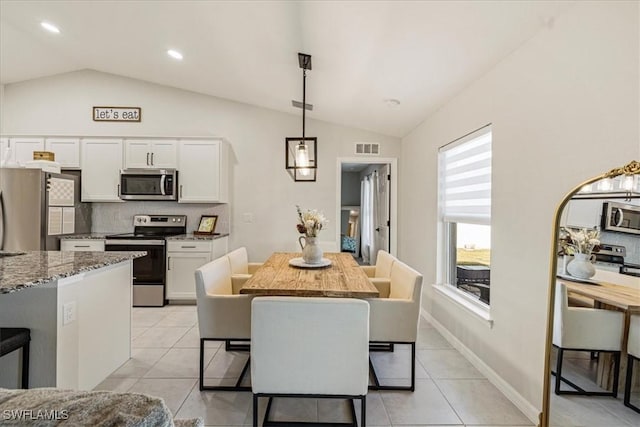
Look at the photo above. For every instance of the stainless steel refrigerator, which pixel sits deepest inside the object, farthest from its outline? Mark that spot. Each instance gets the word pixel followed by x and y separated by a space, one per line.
pixel 37 207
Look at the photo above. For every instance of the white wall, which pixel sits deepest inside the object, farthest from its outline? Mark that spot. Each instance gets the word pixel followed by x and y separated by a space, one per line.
pixel 564 107
pixel 260 185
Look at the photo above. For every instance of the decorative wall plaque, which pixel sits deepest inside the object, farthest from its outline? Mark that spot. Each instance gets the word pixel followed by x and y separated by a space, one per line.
pixel 117 114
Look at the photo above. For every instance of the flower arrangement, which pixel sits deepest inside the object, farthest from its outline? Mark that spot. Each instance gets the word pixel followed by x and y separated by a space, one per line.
pixel 310 222
pixel 579 241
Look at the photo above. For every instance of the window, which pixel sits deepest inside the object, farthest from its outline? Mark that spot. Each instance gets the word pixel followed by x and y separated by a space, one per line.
pixel 465 212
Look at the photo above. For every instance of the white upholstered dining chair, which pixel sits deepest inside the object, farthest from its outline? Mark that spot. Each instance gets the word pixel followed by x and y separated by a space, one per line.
pixel 380 273
pixel 394 318
pixel 633 354
pixel 309 347
pixel 239 260
pixel 585 329
pixel 222 314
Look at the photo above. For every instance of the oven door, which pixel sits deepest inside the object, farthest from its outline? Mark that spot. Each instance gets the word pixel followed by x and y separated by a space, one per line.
pixel 148 184
pixel 148 271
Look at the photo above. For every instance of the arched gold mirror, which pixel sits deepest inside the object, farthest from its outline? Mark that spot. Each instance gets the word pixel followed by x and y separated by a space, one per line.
pixel 599 221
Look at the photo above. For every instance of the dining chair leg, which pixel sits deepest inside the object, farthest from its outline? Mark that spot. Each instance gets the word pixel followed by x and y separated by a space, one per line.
pixel 25 366
pixel 628 383
pixel 577 390
pixel 236 387
pixel 411 387
pixel 559 370
pixel 255 410
pixel 201 369
pixel 363 411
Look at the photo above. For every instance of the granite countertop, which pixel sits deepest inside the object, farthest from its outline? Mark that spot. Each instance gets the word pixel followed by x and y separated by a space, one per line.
pixel 192 236
pixel 35 268
pixel 87 236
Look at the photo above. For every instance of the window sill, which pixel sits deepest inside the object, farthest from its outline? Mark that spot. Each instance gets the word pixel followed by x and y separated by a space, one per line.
pixel 478 309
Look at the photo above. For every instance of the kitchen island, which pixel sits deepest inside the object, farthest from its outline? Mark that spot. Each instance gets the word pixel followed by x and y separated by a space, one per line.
pixel 78 308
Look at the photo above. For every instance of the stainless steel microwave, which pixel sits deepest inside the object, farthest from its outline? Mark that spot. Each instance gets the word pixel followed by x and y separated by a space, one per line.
pixel 148 184
pixel 621 217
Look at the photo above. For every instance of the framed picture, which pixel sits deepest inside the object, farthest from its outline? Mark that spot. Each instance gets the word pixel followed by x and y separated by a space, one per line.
pixel 207 224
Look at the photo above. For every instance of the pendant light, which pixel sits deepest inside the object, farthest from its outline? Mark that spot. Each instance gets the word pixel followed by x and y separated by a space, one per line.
pixel 301 152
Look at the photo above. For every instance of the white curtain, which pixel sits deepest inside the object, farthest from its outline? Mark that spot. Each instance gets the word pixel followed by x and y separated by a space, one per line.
pixel 375 234
pixel 366 218
pixel 369 218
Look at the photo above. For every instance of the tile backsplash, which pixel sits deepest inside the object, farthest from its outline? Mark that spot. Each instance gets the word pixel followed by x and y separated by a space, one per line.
pixel 629 241
pixel 118 217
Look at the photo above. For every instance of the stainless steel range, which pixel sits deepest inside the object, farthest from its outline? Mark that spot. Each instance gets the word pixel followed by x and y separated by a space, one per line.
pixel 149 272
pixel 611 258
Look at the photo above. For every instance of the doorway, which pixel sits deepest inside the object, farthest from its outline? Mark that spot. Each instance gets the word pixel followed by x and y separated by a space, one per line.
pixel 367 207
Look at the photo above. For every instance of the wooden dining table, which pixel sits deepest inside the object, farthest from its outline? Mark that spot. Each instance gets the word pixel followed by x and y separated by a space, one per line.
pixel 613 297
pixel 343 278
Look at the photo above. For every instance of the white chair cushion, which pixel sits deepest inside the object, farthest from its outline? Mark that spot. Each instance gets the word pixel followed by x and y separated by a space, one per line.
pixel 395 319
pixel 220 313
pixel 384 261
pixel 585 328
pixel 633 345
pixel 310 346
pixel 239 261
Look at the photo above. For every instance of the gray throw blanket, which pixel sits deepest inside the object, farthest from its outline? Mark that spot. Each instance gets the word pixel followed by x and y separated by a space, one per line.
pixel 44 407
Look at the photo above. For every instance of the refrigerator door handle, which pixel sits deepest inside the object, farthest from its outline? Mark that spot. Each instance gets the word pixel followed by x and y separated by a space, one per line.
pixel 1 222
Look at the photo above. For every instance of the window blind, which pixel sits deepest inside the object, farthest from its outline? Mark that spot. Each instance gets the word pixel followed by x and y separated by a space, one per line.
pixel 465 179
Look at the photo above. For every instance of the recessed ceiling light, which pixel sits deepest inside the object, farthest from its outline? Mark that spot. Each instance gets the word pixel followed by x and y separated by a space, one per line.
pixel 174 54
pixel 50 27
pixel 392 102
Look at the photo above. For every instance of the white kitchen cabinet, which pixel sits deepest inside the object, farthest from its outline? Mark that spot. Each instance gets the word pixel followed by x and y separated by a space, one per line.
pixel 4 145
pixel 101 164
pixel 87 245
pixel 150 153
pixel 67 151
pixel 23 148
pixel 203 169
pixel 183 258
pixel 584 213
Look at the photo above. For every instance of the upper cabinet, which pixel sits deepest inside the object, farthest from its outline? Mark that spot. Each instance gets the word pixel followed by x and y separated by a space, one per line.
pixel 202 163
pixel 101 164
pixel 22 148
pixel 203 169
pixel 584 213
pixel 150 153
pixel 67 151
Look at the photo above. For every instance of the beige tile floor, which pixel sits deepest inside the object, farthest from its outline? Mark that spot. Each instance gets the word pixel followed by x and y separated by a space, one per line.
pixel 164 363
pixel 585 411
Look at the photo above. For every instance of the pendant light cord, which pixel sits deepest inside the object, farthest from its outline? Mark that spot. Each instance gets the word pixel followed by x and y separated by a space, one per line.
pixel 304 99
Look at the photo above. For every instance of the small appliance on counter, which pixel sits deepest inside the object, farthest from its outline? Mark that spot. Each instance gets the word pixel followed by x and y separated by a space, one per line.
pixel 149 272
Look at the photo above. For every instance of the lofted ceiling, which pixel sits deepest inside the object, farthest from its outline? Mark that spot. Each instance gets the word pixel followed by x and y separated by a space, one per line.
pixel 363 52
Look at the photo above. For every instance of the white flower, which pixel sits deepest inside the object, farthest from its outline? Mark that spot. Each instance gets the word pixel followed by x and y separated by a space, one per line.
pixel 311 222
pixel 582 241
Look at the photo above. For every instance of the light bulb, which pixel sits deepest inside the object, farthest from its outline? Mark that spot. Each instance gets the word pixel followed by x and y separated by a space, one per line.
pixel 627 183
pixel 586 188
pixel 302 158
pixel 605 185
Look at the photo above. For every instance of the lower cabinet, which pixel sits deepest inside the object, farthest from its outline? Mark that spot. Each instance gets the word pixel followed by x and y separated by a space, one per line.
pixel 183 258
pixel 88 245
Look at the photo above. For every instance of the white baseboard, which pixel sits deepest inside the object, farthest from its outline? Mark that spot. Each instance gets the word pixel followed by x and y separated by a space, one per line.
pixel 530 411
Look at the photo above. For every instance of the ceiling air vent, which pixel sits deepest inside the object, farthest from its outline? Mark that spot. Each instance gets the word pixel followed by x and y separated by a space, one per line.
pixel 371 149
